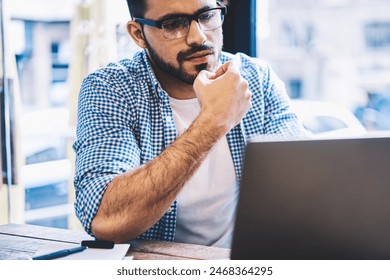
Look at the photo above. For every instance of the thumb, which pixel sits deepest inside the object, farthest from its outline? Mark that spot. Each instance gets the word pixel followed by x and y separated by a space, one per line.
pixel 232 65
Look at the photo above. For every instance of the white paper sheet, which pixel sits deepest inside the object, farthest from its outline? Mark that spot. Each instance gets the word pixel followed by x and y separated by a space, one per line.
pixel 117 253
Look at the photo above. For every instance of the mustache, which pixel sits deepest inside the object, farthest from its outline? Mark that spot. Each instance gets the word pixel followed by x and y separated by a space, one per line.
pixel 181 56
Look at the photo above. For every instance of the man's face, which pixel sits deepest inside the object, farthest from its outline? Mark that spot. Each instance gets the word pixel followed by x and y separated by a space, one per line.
pixel 184 57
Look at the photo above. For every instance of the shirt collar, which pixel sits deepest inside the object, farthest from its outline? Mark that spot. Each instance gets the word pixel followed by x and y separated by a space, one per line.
pixel 155 83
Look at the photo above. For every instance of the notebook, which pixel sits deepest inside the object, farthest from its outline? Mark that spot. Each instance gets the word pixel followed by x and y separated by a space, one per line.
pixel 314 199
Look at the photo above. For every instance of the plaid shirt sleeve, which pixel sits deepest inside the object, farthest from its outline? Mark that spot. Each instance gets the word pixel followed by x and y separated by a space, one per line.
pixel 106 145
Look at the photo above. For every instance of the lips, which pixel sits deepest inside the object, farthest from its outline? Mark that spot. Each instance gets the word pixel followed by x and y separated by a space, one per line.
pixel 198 55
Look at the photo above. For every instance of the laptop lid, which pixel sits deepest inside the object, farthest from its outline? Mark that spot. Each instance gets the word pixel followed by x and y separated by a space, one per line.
pixel 314 199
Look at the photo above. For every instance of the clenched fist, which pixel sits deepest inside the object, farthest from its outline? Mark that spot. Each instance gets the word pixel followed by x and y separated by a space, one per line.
pixel 224 95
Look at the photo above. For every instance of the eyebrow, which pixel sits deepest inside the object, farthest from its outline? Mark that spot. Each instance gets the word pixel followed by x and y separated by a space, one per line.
pixel 177 15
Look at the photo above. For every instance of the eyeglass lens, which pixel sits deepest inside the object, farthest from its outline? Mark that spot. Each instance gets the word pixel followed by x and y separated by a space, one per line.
pixel 208 21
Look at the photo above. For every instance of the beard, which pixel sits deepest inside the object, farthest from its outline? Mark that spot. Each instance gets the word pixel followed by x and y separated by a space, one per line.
pixel 179 71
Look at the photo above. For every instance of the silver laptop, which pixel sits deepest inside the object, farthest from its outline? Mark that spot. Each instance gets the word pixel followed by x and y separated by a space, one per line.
pixel 314 199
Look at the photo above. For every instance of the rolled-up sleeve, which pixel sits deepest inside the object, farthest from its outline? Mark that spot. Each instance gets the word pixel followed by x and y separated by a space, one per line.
pixel 105 146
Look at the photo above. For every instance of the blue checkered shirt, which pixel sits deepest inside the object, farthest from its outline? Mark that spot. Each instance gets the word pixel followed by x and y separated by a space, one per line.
pixel 125 120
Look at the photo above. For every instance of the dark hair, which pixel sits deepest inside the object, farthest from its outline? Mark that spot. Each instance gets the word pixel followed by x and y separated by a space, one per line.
pixel 137 8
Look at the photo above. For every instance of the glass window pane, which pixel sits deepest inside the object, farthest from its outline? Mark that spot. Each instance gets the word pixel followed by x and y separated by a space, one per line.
pixel 334 51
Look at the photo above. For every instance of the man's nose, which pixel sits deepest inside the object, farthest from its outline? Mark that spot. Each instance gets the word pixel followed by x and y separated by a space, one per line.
pixel 195 35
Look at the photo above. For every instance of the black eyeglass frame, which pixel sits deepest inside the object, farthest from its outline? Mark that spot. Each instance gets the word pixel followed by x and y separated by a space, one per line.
pixel 190 18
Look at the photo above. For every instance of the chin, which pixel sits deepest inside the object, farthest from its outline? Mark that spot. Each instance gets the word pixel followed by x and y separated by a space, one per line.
pixel 213 65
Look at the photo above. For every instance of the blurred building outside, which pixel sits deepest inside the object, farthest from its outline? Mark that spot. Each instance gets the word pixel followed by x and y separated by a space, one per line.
pixel 331 50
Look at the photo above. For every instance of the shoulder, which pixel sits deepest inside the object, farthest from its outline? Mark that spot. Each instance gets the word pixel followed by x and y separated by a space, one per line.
pixel 117 74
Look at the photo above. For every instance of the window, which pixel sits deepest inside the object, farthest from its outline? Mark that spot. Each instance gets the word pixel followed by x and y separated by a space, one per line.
pixel 288 36
pixel 334 51
pixel 294 88
pixel 47 43
pixel 377 35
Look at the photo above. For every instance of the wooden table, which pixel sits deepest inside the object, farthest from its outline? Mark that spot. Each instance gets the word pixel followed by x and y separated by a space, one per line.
pixel 21 241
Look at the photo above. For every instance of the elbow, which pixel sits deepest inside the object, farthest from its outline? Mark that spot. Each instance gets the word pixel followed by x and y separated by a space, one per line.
pixel 105 229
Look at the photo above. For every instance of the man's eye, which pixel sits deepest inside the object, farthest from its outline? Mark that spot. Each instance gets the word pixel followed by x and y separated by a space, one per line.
pixel 173 24
pixel 207 16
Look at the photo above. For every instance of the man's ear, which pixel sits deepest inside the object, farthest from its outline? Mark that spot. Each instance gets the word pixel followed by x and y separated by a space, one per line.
pixel 135 31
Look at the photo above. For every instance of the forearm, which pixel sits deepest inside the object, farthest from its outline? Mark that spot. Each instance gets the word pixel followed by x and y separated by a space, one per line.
pixel 137 199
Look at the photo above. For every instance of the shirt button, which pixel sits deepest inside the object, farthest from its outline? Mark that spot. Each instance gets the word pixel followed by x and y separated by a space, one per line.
pixel 169 119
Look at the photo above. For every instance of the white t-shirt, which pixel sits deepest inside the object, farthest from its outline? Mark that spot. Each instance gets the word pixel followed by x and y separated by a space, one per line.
pixel 207 203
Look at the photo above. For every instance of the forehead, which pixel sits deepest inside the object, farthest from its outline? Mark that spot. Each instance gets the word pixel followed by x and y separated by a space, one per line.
pixel 159 8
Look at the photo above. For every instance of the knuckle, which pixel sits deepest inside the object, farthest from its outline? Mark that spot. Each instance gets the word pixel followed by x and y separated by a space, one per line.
pixel 244 84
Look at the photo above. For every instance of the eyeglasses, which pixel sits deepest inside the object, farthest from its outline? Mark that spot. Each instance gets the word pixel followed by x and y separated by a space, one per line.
pixel 178 27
